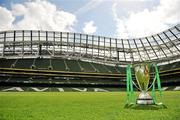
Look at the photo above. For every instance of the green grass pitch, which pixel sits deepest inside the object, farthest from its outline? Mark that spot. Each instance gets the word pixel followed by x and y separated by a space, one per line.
pixel 82 106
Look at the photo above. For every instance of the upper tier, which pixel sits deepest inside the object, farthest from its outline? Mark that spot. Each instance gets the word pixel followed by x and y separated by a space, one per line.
pixel 161 47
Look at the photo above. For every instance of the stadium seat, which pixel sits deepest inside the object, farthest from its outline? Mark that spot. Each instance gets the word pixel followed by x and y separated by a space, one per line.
pixel 87 66
pixel 73 65
pixel 24 63
pixel 58 64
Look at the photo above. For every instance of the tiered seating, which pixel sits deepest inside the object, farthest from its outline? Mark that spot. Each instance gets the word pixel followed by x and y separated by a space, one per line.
pixel 85 73
pixel 175 65
pixel 102 81
pixel 77 81
pixel 58 64
pixel 42 63
pixel 121 70
pixel 16 79
pixel 112 69
pixel 164 67
pixel 100 68
pixel 7 63
pixel 87 66
pixel 169 66
pixel 44 80
pixel 73 66
pixel 5 78
pixel 24 63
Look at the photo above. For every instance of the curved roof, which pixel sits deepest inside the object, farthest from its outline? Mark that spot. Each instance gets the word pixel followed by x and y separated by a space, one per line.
pixel 164 46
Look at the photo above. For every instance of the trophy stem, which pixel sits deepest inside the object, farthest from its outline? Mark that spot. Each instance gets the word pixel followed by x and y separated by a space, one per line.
pixel 144 98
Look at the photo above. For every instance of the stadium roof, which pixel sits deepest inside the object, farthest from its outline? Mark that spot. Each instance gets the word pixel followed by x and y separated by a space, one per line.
pixel 164 46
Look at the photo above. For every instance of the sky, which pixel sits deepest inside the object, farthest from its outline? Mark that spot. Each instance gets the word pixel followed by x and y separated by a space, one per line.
pixel 111 18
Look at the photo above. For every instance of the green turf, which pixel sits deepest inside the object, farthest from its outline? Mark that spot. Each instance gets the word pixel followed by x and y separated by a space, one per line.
pixel 81 106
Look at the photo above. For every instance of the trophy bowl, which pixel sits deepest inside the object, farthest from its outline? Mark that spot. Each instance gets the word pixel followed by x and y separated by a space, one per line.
pixel 142 76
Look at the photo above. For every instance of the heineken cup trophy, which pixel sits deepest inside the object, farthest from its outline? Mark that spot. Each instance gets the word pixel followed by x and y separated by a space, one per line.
pixel 142 75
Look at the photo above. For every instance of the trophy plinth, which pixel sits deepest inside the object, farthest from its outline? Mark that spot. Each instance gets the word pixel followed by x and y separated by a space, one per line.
pixel 144 99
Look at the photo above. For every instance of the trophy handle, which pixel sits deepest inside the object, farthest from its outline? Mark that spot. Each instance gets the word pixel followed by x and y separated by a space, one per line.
pixel 153 81
pixel 136 85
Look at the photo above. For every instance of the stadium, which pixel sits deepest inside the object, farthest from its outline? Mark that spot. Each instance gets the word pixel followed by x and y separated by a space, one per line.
pixel 74 60
pixel 42 61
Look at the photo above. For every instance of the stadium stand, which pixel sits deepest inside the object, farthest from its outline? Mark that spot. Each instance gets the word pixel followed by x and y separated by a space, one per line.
pixel 60 60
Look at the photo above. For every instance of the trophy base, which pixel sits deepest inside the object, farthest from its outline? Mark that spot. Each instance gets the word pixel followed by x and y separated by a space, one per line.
pixel 145 99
